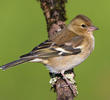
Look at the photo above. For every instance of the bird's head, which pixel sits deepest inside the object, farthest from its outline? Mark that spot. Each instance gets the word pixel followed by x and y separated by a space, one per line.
pixel 81 25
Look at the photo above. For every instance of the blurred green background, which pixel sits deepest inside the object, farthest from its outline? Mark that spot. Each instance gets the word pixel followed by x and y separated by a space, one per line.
pixel 22 27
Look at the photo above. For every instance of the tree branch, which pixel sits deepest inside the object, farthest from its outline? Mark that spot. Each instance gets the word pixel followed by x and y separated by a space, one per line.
pixel 55 15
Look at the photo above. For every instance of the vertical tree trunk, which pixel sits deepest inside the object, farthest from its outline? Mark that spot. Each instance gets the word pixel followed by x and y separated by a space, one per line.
pixel 55 15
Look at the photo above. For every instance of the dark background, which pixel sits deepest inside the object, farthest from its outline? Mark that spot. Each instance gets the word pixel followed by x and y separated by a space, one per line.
pixel 22 27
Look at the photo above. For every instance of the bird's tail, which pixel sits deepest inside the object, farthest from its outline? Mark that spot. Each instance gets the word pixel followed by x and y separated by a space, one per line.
pixel 14 63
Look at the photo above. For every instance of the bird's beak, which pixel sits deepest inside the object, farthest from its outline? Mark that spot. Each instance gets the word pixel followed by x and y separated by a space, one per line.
pixel 92 28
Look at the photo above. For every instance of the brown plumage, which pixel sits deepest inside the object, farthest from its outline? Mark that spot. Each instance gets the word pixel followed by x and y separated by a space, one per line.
pixel 67 49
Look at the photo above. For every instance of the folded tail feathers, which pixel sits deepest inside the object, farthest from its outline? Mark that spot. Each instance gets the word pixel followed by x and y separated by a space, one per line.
pixel 14 63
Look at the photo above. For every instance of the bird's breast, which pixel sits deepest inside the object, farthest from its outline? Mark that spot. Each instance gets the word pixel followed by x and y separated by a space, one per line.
pixel 57 64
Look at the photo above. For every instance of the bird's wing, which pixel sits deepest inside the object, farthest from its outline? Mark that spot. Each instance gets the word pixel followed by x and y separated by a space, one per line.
pixel 49 49
pixel 76 41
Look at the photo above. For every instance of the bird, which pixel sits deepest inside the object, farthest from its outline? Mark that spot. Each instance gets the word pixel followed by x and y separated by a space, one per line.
pixel 67 49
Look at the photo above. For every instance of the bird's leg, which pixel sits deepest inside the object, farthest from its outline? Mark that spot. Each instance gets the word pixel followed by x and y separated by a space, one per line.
pixel 70 84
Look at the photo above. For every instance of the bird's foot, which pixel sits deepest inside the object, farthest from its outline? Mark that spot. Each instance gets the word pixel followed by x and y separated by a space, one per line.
pixel 69 78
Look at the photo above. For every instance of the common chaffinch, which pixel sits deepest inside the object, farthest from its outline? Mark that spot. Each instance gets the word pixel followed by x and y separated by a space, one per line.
pixel 67 49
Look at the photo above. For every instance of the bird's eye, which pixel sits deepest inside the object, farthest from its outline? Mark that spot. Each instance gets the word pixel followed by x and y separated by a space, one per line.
pixel 83 25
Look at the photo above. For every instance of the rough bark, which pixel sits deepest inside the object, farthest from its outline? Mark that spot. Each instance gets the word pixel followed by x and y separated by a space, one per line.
pixel 54 11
